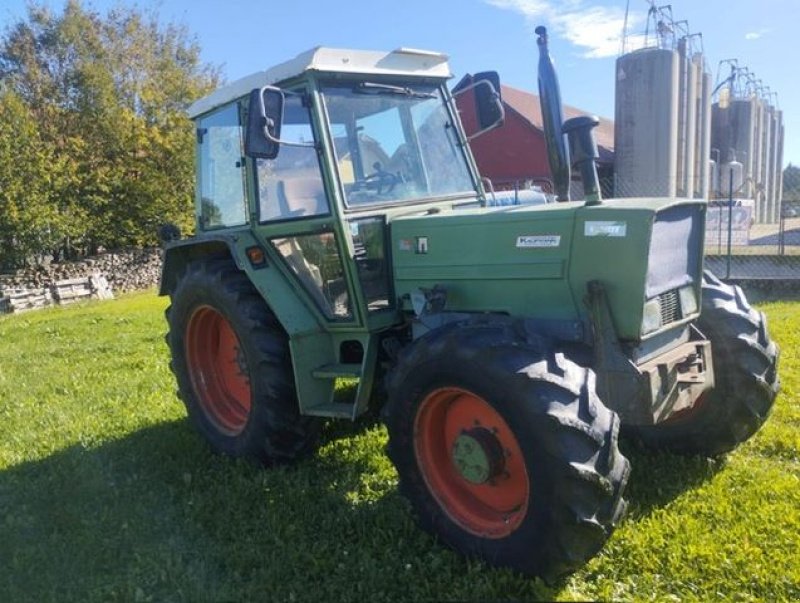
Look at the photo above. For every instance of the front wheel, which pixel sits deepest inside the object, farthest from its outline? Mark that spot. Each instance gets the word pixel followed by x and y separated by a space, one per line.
pixel 231 359
pixel 746 380
pixel 503 448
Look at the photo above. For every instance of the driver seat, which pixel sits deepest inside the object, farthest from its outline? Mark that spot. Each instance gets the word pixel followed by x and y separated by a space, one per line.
pixel 302 197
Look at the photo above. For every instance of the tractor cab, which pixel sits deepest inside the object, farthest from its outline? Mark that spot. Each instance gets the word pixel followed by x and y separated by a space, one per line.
pixel 315 153
pixel 299 170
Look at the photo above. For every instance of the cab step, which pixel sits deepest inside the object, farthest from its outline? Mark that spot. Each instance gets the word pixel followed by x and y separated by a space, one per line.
pixel 332 410
pixel 334 371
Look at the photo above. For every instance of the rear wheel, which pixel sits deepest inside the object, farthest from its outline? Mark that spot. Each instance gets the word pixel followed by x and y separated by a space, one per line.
pixel 745 375
pixel 504 449
pixel 231 360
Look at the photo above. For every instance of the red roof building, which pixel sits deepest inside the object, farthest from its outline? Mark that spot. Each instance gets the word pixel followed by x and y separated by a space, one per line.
pixel 516 153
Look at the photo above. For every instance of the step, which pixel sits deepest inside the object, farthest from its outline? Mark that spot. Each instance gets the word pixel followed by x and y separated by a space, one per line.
pixel 333 371
pixel 331 410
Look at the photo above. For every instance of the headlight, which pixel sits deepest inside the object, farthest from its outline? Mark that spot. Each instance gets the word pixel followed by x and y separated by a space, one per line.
pixel 651 320
pixel 688 300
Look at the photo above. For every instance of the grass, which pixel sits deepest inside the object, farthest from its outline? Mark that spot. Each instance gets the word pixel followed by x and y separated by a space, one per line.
pixel 106 493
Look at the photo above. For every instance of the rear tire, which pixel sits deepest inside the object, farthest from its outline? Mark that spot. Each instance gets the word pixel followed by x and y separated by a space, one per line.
pixel 231 359
pixel 746 379
pixel 554 495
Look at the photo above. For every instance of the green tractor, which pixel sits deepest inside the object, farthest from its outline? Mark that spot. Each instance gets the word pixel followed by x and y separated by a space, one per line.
pixel 343 231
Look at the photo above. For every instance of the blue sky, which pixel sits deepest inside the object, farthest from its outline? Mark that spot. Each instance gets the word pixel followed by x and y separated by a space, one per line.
pixel 490 34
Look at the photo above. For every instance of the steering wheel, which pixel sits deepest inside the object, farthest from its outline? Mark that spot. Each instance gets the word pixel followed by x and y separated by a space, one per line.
pixel 380 181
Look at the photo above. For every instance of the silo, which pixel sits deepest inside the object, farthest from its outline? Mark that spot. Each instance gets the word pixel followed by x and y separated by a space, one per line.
pixel 690 133
pixel 765 147
pixel 757 162
pixel 766 174
pixel 683 116
pixel 779 164
pixel 722 130
pixel 645 127
pixel 713 171
pixel 703 152
pixel 733 133
pixel 774 176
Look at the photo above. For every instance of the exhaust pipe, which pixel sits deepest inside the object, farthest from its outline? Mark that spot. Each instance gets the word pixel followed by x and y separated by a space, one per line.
pixel 553 118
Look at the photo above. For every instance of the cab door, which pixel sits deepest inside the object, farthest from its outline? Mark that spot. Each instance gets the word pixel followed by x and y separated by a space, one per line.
pixel 296 219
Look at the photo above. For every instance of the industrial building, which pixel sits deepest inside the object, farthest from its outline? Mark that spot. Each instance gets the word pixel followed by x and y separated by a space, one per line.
pixel 747 139
pixel 671 140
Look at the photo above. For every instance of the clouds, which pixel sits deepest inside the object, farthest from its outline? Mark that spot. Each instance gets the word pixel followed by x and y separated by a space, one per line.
pixel 596 30
pixel 755 35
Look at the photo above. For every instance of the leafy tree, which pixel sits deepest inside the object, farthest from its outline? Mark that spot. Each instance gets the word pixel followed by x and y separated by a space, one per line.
pixel 32 221
pixel 791 183
pixel 103 99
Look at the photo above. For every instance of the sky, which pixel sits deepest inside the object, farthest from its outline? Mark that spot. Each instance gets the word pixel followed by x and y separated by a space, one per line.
pixel 478 35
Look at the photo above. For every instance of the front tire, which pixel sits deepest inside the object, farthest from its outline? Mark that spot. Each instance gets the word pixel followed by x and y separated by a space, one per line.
pixel 503 448
pixel 231 360
pixel 745 374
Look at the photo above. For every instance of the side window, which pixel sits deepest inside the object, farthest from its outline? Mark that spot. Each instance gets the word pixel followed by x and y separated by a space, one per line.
pixel 221 180
pixel 290 186
pixel 380 135
pixel 315 260
pixel 370 256
pixel 441 157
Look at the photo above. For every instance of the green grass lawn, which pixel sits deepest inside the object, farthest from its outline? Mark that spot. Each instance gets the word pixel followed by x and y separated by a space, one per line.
pixel 106 493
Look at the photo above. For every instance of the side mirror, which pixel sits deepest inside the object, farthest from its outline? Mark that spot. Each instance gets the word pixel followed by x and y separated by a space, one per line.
pixel 488 102
pixel 264 119
pixel 485 88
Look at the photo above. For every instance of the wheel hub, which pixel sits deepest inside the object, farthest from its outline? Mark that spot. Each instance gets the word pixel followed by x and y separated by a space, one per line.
pixel 478 456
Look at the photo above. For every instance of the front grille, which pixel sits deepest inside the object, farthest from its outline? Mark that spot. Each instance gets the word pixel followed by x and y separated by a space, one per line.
pixel 670 307
pixel 676 248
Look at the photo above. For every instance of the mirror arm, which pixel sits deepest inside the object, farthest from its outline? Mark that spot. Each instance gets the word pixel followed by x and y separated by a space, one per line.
pixel 496 124
pixel 496 95
pixel 269 122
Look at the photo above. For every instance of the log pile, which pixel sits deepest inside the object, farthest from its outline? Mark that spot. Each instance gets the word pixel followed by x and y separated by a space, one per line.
pixel 92 278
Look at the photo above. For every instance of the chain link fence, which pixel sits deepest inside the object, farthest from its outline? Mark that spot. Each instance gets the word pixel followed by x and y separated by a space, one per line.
pixel 756 239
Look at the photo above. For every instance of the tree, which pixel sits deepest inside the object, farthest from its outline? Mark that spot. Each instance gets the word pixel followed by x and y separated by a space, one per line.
pixel 31 219
pixel 105 96
pixel 791 183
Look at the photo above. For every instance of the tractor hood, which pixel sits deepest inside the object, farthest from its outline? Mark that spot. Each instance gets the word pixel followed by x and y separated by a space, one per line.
pixel 537 261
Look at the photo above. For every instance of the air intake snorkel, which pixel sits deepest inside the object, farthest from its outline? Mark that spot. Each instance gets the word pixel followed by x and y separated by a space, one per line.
pixel 583 148
pixel 579 130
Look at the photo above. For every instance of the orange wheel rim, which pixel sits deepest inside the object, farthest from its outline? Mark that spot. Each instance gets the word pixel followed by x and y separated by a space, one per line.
pixel 218 370
pixel 471 461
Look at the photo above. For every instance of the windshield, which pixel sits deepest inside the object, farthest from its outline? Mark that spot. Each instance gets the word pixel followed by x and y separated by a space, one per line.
pixel 395 143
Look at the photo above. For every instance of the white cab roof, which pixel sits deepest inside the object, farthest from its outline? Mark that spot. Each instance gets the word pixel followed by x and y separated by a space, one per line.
pixel 403 61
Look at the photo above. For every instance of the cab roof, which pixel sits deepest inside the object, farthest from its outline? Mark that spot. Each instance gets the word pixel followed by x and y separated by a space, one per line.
pixel 403 62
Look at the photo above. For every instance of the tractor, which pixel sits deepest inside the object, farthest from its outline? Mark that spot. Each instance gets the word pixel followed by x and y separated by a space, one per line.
pixel 344 232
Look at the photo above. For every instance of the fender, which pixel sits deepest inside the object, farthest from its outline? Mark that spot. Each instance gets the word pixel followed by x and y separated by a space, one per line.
pixel 179 253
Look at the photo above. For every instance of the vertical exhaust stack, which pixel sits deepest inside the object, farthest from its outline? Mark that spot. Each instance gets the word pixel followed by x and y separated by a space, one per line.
pixel 553 119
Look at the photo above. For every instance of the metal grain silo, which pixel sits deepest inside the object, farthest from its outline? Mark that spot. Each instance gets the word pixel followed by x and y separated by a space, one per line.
pixel 773 209
pixel 764 173
pixel 703 154
pixel 687 113
pixel 758 159
pixel 713 171
pixel 779 164
pixel 733 132
pixel 646 120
